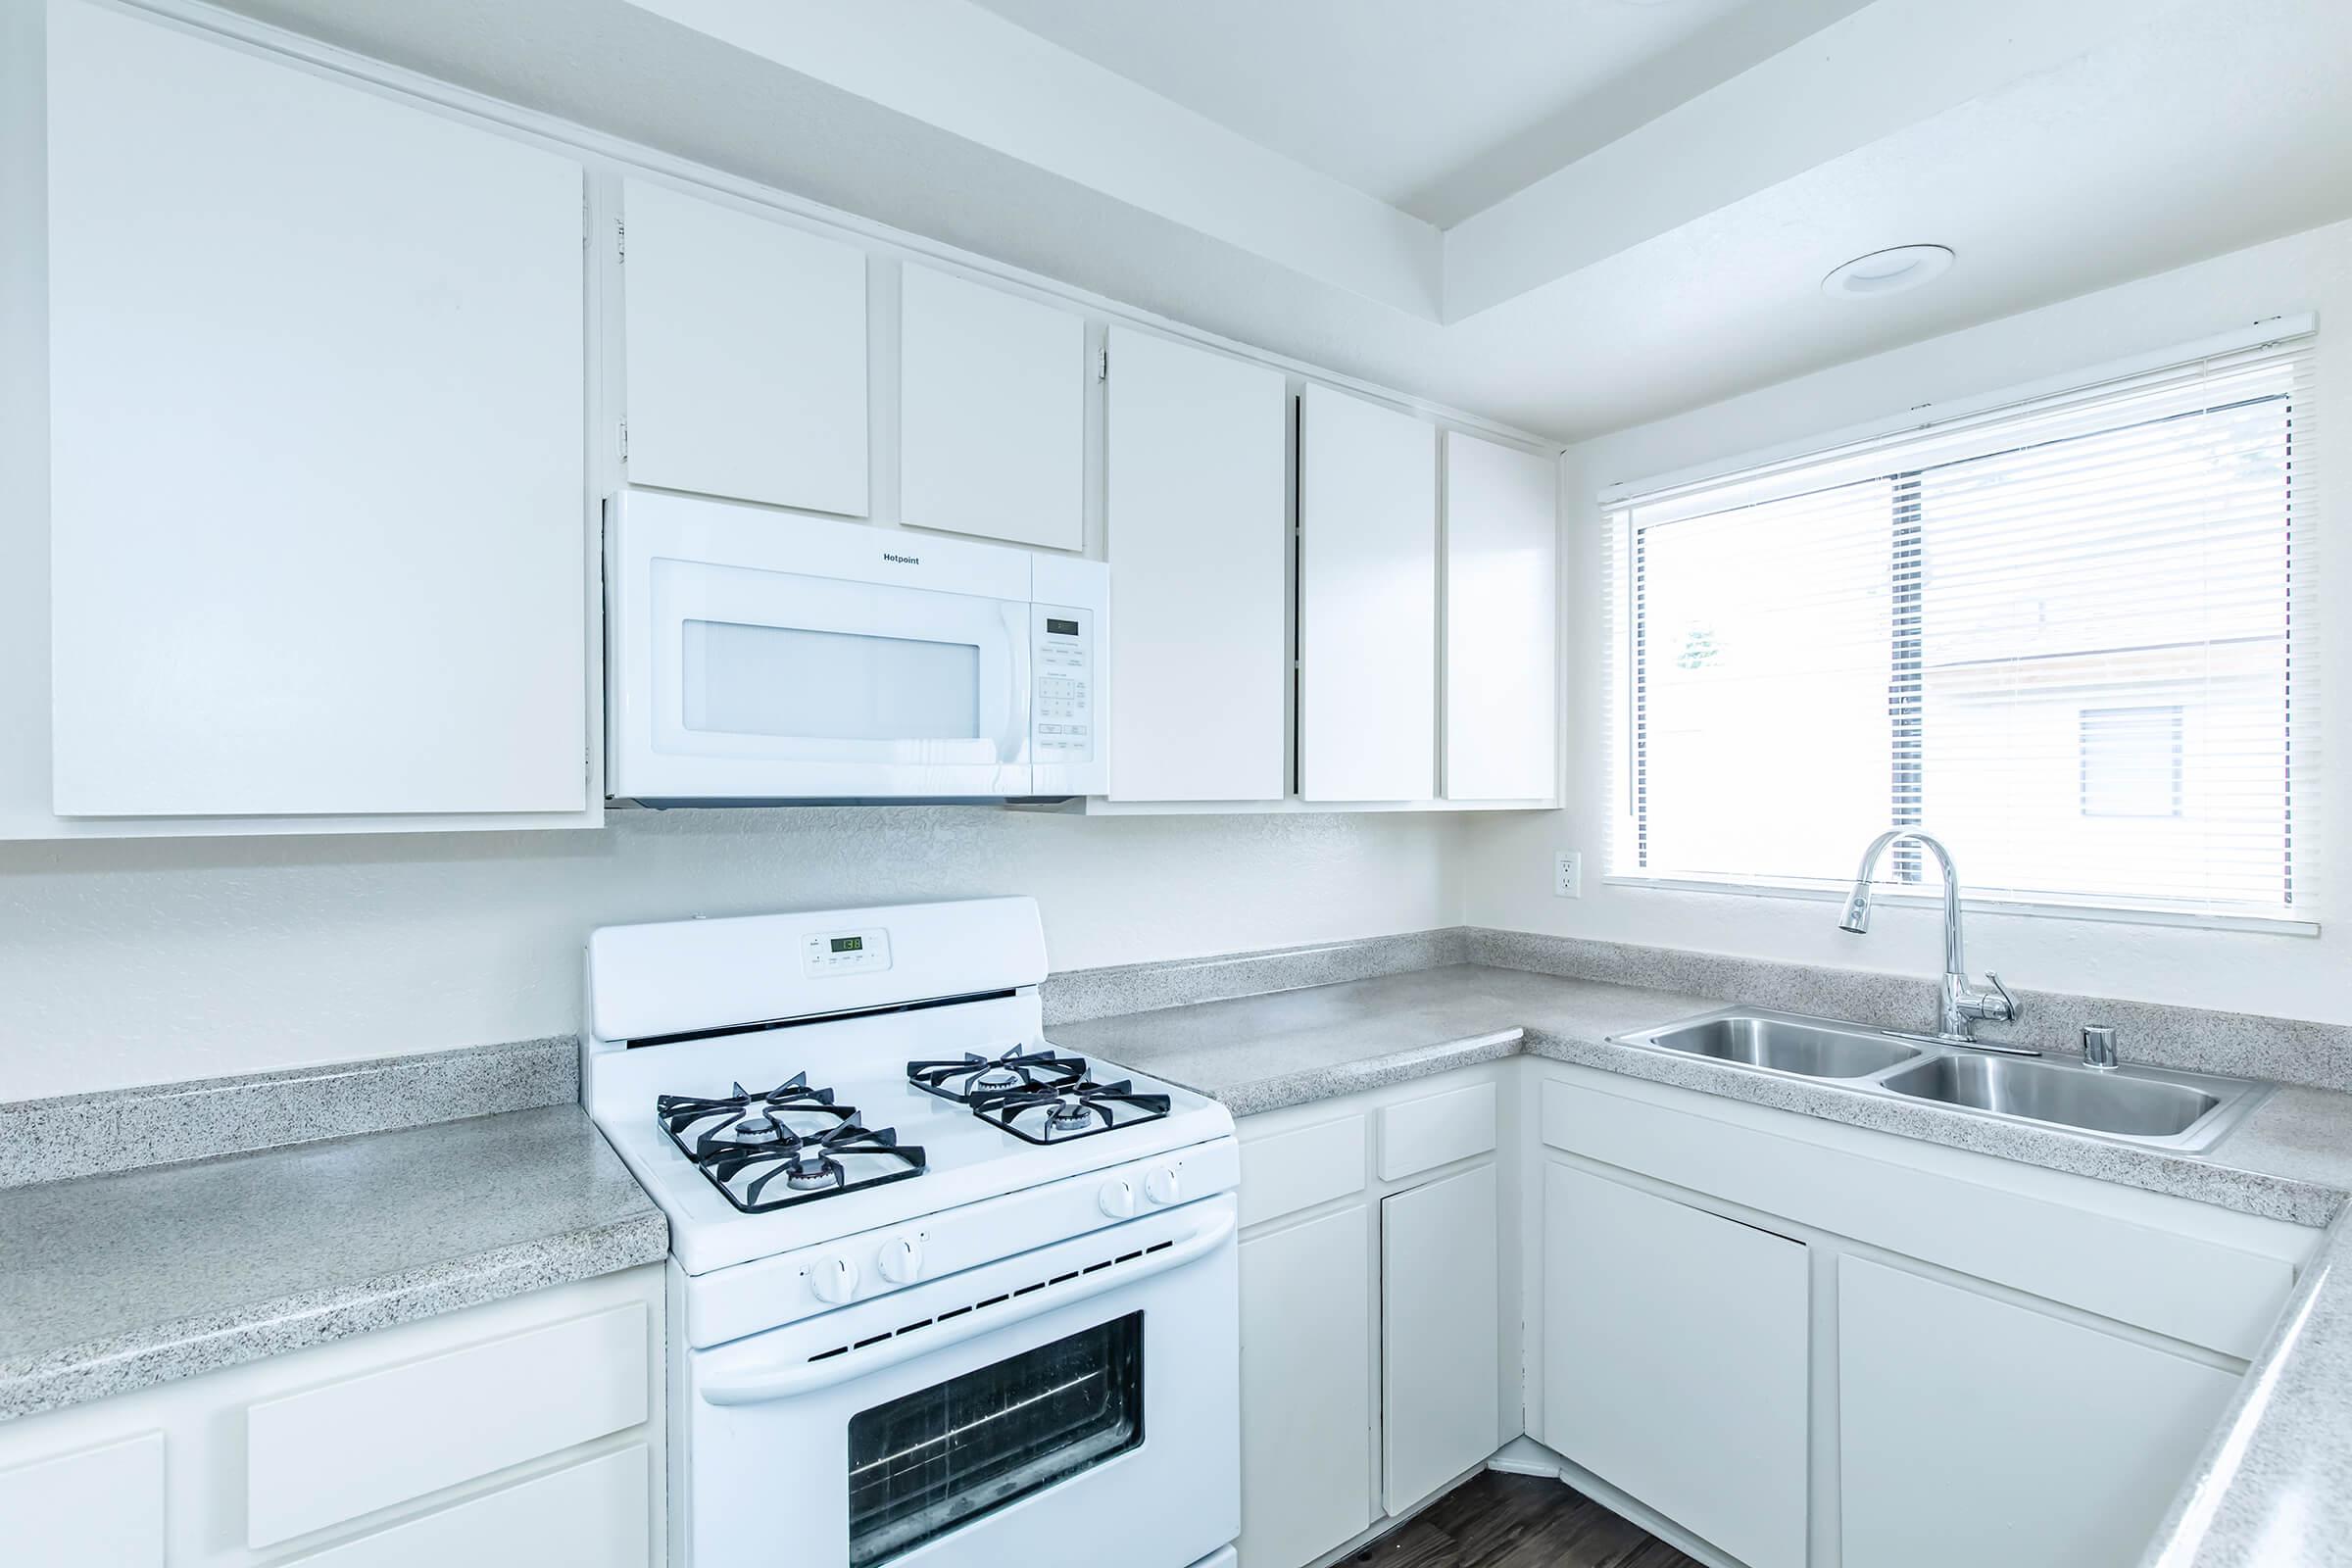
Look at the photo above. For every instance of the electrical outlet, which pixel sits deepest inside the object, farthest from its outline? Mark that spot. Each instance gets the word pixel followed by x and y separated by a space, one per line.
pixel 1568 874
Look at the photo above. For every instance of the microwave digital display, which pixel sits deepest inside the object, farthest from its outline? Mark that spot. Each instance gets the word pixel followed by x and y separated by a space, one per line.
pixel 1060 628
pixel 848 944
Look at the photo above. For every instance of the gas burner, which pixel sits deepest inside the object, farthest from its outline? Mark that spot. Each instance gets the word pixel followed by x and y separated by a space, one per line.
pixel 1017 1071
pixel 1081 1110
pixel 845 1158
pixel 704 1125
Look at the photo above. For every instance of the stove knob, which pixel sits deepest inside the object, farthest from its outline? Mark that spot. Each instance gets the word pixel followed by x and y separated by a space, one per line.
pixel 833 1279
pixel 1160 1185
pixel 1118 1197
pixel 901 1260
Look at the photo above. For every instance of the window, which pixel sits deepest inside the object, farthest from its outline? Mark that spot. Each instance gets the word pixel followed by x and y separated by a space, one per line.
pixel 2071 638
pixel 2131 762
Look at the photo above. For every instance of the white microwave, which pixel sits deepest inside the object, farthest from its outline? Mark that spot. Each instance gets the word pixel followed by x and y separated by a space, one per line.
pixel 756 656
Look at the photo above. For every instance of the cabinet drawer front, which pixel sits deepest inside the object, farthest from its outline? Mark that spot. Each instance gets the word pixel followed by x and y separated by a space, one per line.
pixel 592 1515
pixel 1423 1133
pixel 103 1506
pixel 332 1454
pixel 2190 1288
pixel 1283 1173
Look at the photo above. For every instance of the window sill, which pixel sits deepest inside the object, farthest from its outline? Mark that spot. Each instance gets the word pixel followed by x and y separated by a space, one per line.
pixel 2116 914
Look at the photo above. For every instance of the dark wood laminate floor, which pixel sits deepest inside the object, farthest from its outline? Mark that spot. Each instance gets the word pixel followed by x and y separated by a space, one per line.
pixel 1499 1521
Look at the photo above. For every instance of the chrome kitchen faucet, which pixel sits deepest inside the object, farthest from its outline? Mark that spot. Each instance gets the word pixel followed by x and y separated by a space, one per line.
pixel 1964 1001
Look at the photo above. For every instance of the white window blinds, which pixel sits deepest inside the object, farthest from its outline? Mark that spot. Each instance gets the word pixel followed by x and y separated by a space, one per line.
pixel 2072 638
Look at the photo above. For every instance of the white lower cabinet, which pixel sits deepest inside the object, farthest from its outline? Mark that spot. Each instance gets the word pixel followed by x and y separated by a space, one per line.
pixel 1439 1277
pixel 522 1431
pixel 96 1505
pixel 593 1514
pixel 2013 1366
pixel 1676 1361
pixel 1307 1402
pixel 1373 1335
pixel 1976 1431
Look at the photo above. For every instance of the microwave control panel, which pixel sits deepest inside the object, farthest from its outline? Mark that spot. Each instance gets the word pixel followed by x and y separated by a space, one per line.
pixel 1062 664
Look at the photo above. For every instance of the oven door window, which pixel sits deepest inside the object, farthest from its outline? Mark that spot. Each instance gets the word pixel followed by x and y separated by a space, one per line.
pixel 929 1461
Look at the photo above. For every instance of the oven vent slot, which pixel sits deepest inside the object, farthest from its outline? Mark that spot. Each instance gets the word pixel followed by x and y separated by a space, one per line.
pixel 992 1302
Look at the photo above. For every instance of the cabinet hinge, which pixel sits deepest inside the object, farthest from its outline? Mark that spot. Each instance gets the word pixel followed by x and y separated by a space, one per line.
pixel 1102 365
pixel 620 238
pixel 624 440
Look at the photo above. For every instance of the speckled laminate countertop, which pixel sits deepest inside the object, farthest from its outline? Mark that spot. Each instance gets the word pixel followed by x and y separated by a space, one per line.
pixel 115 1283
pixel 2275 1486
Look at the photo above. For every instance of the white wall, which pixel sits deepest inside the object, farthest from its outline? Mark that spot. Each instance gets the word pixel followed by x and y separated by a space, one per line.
pixel 1506 861
pixel 146 961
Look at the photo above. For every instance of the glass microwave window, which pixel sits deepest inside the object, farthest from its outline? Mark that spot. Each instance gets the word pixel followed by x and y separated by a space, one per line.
pixel 848 944
pixel 1060 628
pixel 827 685
pixel 938 1458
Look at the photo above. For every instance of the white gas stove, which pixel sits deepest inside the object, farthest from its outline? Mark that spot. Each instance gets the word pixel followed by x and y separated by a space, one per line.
pixel 941 1275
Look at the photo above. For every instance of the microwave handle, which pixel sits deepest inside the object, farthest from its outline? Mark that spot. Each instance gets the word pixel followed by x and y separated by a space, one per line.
pixel 809 1376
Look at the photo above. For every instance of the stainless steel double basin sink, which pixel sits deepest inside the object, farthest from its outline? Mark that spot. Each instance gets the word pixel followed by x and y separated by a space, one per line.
pixel 2151 1106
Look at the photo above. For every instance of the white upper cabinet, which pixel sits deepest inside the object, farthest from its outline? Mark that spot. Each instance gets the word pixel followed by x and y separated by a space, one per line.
pixel 317 369
pixel 1198 548
pixel 1367 601
pixel 992 412
pixel 1501 622
pixel 745 355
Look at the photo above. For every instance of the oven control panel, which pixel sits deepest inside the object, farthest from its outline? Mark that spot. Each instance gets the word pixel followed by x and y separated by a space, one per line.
pixel 789 1286
pixel 1061 664
pixel 831 952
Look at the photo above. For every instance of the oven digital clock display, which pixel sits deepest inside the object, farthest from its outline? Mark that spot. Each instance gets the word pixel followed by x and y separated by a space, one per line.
pixel 845 952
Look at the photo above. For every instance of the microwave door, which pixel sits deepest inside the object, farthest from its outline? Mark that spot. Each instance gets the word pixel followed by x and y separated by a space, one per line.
pixel 769 685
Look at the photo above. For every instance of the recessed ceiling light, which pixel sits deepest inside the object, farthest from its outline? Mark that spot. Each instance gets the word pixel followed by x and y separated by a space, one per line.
pixel 1888 272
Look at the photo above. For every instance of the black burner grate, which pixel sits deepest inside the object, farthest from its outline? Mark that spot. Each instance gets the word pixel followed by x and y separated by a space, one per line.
pixel 1016 1071
pixel 791 1132
pixel 822 1161
pixel 1083 1109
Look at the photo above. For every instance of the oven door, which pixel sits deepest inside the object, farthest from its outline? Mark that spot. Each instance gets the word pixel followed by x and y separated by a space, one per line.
pixel 760 655
pixel 1073 1406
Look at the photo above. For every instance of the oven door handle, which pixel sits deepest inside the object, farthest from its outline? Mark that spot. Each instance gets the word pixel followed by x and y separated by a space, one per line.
pixel 809 1376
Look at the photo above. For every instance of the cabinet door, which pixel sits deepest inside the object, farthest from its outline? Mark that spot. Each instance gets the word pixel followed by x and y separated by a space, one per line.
pixel 1440 1334
pixel 992 412
pixel 1199 549
pixel 1307 1406
pixel 317 475
pixel 1675 1361
pixel 1501 636
pixel 102 1505
pixel 1973 1430
pixel 745 355
pixel 1367 601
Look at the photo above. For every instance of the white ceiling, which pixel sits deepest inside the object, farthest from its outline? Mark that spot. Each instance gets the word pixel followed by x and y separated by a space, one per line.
pixel 2057 148
pixel 1438 110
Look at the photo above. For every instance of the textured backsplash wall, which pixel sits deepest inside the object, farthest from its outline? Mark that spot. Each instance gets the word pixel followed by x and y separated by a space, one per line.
pixel 147 962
